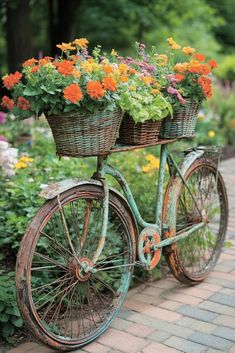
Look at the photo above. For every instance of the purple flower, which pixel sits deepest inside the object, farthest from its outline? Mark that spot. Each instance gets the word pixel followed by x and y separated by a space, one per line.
pixel 3 138
pixel 181 99
pixel 120 58
pixel 172 90
pixel 3 117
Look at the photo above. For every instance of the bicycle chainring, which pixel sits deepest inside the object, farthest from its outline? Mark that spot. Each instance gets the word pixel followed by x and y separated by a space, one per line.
pixel 148 256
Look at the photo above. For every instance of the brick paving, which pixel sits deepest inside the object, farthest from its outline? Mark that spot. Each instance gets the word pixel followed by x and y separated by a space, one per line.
pixel 168 317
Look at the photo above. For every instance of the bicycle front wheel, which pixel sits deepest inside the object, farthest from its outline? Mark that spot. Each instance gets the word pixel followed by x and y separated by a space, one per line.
pixel 63 305
pixel 191 259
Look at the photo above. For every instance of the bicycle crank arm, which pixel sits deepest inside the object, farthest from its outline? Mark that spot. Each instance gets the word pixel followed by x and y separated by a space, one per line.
pixel 172 240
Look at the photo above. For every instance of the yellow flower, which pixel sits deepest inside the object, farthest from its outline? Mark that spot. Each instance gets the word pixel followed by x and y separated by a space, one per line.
pixel 114 52
pixel 201 117
pixel 81 42
pixel 20 165
pixel 123 68
pixel 211 133
pixel 66 46
pixel 155 91
pixel 76 73
pixel 153 164
pixel 132 88
pixel 147 79
pixel 87 66
pixel 26 159
pixel 188 50
pixel 173 44
pixel 162 59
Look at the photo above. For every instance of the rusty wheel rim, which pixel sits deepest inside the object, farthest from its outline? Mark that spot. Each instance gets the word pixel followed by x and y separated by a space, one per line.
pixel 197 255
pixel 71 306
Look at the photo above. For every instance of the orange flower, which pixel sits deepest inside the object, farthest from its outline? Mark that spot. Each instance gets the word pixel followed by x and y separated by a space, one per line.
pixel 45 60
pixel 132 71
pixel 201 69
pixel 73 93
pixel 199 57
pixel 30 62
pixel 188 50
pixel 123 78
pixel 205 83
pixel 65 67
pixel 81 42
pixel 213 64
pixel 173 44
pixel 108 68
pixel 109 83
pixel 23 103
pixel 95 89
pixel 181 67
pixel 12 79
pixel 179 77
pixel 155 91
pixel 7 103
pixel 35 68
pixel 65 46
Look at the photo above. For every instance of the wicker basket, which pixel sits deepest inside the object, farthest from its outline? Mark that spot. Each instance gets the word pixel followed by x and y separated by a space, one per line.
pixel 85 134
pixel 183 122
pixel 132 133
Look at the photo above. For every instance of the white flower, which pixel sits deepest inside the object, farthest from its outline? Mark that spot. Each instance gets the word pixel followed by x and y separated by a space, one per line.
pixel 43 186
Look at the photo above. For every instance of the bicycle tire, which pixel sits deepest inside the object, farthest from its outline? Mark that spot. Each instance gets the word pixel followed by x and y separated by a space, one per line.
pixel 192 259
pixel 82 306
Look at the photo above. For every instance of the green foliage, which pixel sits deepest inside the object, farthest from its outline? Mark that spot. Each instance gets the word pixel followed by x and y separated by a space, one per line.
pixel 221 108
pixel 226 70
pixel 10 319
pixel 142 105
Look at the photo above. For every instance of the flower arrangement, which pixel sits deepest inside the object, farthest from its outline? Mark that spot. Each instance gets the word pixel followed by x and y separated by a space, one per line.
pixel 189 78
pixel 75 80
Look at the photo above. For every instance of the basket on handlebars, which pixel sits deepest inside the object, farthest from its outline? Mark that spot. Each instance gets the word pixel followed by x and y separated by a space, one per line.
pixel 85 134
pixel 132 133
pixel 183 122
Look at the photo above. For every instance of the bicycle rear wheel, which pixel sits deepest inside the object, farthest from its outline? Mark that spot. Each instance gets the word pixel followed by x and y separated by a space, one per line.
pixel 64 306
pixel 192 258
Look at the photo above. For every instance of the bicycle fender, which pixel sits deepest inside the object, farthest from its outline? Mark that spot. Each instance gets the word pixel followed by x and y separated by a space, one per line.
pixel 173 190
pixel 55 189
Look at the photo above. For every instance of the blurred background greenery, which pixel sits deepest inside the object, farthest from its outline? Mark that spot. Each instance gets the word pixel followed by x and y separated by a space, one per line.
pixel 32 28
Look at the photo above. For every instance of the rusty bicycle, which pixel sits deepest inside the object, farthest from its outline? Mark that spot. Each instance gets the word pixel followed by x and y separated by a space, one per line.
pixel 76 259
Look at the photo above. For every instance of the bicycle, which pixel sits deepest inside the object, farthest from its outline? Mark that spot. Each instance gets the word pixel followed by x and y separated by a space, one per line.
pixel 76 259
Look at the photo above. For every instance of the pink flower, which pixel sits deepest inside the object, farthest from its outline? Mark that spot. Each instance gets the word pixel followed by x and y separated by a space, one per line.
pixel 2 117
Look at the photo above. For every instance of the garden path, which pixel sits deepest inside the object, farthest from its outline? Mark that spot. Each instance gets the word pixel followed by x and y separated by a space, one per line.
pixel 168 317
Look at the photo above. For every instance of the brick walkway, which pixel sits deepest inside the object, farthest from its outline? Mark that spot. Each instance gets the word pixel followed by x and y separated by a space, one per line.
pixel 167 317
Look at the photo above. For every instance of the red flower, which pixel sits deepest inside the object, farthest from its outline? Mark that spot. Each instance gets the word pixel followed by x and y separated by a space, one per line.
pixel 199 57
pixel 35 68
pixel 23 103
pixel 7 103
pixel 10 80
pixel 73 93
pixel 213 64
pixel 95 89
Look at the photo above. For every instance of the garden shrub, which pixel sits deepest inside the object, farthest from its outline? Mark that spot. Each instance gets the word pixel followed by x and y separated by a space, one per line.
pixel 10 318
pixel 226 70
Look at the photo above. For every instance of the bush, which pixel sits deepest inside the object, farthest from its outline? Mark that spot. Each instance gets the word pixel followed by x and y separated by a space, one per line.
pixel 10 319
pixel 226 70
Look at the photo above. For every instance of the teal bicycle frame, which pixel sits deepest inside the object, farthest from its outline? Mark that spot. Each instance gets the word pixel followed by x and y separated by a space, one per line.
pixel 165 159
